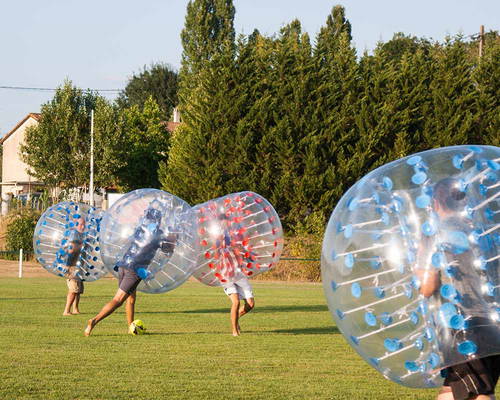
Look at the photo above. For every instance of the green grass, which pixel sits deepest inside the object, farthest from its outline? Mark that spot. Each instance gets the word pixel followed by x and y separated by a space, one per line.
pixel 290 348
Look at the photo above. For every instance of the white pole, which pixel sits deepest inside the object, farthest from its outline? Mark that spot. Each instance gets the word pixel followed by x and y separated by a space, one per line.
pixel 91 185
pixel 20 263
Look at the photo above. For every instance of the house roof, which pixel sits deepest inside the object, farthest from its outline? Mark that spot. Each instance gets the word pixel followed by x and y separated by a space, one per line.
pixel 35 116
pixel 171 125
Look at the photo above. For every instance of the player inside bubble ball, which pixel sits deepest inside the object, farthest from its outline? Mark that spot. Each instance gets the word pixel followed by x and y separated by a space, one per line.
pixel 233 255
pixel 475 379
pixel 75 284
pixel 133 266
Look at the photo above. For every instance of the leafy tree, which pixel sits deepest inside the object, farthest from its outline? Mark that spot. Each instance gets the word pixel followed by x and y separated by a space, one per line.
pixel 57 148
pixel 132 142
pixel 159 81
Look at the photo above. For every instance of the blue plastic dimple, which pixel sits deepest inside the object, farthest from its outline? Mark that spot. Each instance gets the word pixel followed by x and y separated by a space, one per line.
pixel 352 204
pixel 488 213
pixel 438 259
pixel 355 340
pixel 385 318
pixel 411 366
pixel 467 348
pixel 428 228
pixel 419 344
pixel 333 285
pixel 457 322
pixel 387 183
pixel 375 264
pixel 483 189
pixel 433 360
pixel 458 161
pixel 340 314
pixel 348 231
pixel 385 219
pixel 419 178
pixel 493 165
pixel 392 344
pixel 423 201
pixel 448 291
pixel 379 292
pixel 414 318
pixel 370 319
pixel 414 160
pixel 356 290
pixel 349 260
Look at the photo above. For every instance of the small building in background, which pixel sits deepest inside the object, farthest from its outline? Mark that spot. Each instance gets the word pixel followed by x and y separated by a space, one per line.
pixel 16 181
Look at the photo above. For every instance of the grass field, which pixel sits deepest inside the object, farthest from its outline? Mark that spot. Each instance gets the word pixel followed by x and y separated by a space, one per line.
pixel 289 349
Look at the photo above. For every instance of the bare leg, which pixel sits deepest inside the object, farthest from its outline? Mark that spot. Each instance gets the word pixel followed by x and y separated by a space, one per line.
pixel 108 309
pixel 130 307
pixel 446 394
pixel 235 300
pixel 246 308
pixel 76 310
pixel 70 298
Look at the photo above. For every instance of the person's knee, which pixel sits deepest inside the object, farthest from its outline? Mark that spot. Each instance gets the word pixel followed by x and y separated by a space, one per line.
pixel 250 304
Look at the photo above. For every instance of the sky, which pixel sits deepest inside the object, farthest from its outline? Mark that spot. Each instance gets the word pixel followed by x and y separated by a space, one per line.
pixel 99 44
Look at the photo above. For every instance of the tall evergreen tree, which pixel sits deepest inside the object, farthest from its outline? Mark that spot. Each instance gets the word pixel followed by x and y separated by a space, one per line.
pixel 450 119
pixel 207 91
pixel 487 99
pixel 334 99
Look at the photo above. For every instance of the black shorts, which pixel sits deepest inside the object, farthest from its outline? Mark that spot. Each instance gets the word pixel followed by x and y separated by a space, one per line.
pixel 470 379
pixel 128 280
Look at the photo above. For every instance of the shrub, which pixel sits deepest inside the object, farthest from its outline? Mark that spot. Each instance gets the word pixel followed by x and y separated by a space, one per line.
pixel 20 229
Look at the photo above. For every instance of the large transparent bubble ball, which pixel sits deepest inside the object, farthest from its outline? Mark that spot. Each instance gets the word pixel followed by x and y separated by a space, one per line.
pixel 152 232
pixel 240 235
pixel 66 241
pixel 428 221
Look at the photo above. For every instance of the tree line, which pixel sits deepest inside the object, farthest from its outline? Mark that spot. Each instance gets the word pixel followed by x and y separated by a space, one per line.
pixel 296 119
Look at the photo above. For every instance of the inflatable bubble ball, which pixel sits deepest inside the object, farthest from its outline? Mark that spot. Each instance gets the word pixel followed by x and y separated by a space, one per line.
pixel 152 232
pixel 240 235
pixel 410 263
pixel 66 241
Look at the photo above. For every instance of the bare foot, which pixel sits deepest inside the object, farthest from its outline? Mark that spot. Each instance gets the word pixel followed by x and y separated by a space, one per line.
pixel 90 326
pixel 236 334
pixel 66 313
pixel 76 312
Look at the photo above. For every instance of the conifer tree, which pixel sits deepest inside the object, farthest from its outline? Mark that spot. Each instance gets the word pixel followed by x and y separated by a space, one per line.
pixel 451 115
pixel 207 90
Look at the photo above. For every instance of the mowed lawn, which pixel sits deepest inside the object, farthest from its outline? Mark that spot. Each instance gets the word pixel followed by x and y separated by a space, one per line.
pixel 290 348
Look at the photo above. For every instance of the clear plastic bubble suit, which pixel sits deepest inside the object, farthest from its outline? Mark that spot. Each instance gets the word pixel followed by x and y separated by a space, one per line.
pixel 240 235
pixel 434 213
pixel 66 241
pixel 152 232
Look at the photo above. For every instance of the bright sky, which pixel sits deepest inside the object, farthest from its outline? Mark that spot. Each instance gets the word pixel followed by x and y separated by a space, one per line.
pixel 99 44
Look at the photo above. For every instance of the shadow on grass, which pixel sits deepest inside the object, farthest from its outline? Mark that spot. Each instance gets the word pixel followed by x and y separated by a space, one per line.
pixel 264 309
pixel 322 330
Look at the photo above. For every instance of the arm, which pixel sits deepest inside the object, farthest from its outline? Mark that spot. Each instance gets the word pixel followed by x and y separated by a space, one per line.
pixel 429 281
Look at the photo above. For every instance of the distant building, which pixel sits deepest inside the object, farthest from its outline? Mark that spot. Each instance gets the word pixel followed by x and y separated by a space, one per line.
pixel 15 178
